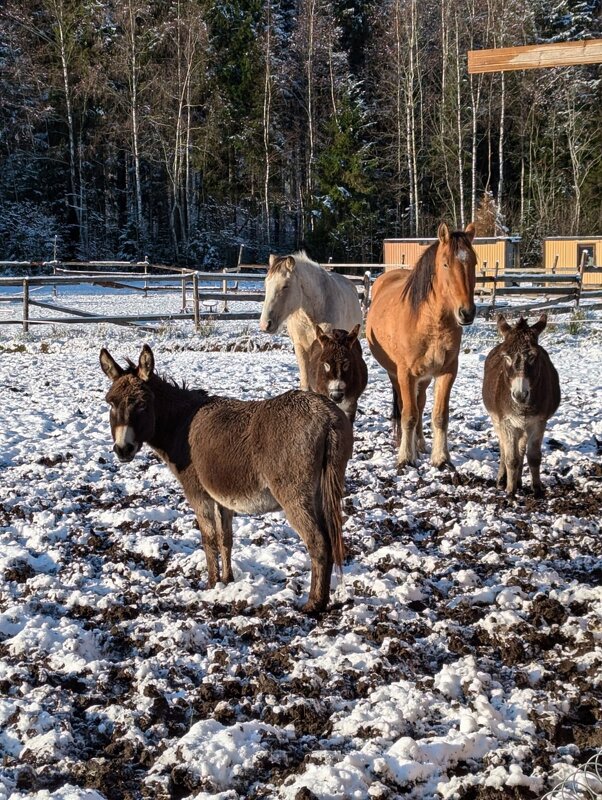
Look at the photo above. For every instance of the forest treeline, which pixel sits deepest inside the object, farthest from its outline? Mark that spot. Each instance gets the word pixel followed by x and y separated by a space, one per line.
pixel 181 129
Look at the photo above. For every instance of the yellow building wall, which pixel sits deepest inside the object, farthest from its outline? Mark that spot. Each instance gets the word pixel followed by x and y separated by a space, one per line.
pixel 566 250
pixel 408 252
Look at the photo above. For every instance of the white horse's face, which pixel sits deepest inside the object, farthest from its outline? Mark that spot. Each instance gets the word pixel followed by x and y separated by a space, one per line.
pixel 282 294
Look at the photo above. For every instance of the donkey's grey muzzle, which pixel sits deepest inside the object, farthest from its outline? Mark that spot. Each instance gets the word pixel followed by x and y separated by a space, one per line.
pixel 125 453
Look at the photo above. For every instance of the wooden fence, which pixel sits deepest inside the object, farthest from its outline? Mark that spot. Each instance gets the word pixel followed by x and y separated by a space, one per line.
pixel 203 291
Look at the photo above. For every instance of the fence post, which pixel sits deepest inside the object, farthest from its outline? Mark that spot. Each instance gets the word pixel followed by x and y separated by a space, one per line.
pixel 195 301
pixel 25 305
pixel 580 286
pixel 493 293
pixel 225 291
pixel 146 273
pixel 184 294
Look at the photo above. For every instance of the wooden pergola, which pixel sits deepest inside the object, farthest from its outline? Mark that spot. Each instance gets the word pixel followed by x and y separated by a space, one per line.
pixel 534 56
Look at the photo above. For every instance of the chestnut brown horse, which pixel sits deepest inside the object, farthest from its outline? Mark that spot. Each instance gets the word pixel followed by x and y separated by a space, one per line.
pixel 414 328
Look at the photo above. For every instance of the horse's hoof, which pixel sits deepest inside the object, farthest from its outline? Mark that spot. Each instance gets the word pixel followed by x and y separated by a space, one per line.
pixel 539 492
pixel 445 464
pixel 401 466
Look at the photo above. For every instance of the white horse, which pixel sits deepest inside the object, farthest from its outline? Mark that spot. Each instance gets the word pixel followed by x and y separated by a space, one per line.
pixel 303 294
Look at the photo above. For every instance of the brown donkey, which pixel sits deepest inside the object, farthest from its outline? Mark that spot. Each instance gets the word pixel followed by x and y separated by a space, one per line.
pixel 414 328
pixel 521 391
pixel 337 368
pixel 235 456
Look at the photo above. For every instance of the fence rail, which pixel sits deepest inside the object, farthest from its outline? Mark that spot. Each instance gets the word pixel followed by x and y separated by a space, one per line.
pixel 206 289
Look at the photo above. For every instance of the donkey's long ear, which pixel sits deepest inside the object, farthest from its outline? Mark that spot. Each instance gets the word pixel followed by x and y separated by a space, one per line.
pixel 109 366
pixel 470 230
pixel 353 334
pixel 540 324
pixel 321 336
pixel 289 263
pixel 146 363
pixel 443 233
pixel 502 325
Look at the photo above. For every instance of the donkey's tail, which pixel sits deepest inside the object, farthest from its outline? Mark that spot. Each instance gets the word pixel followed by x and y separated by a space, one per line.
pixel 333 487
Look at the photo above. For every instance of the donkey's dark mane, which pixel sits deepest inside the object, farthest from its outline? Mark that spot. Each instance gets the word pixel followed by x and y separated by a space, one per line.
pixel 132 369
pixel 419 283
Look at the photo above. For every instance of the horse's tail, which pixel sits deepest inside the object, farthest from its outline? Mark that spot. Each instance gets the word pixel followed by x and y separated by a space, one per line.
pixel 396 415
pixel 333 486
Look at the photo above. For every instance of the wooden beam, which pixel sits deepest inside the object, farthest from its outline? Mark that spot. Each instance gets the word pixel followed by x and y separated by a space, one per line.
pixel 559 54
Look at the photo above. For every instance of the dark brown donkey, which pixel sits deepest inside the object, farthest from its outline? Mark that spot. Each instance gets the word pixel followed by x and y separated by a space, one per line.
pixel 235 456
pixel 521 391
pixel 337 368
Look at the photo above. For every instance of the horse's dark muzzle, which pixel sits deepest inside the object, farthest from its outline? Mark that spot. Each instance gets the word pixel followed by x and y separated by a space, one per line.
pixel 336 397
pixel 466 315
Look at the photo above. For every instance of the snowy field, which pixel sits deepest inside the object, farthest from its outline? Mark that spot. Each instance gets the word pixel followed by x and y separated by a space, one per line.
pixel 461 656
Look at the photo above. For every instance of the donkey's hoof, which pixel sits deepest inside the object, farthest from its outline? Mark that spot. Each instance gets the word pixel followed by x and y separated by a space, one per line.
pixel 313 608
pixel 539 492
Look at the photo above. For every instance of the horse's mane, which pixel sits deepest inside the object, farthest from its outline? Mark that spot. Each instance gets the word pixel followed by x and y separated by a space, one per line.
pixel 419 283
pixel 299 255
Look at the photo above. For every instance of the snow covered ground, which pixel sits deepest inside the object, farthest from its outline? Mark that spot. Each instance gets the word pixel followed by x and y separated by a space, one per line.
pixel 461 656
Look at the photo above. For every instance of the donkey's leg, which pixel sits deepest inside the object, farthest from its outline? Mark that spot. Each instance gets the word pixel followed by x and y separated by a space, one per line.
pixel 534 456
pixel 409 420
pixel 443 385
pixel 224 532
pixel 512 458
pixel 522 447
pixel 420 443
pixel 206 511
pixel 303 518
pixel 501 474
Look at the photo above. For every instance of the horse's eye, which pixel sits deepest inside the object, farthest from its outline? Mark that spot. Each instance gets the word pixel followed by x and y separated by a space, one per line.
pixel 445 265
pixel 326 366
pixel 531 357
pixel 345 365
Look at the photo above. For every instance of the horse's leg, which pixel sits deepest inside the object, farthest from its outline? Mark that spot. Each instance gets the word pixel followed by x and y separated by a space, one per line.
pixel 224 529
pixel 409 419
pixel 302 356
pixel 420 443
pixel 443 385
pixel 396 410
pixel 534 456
